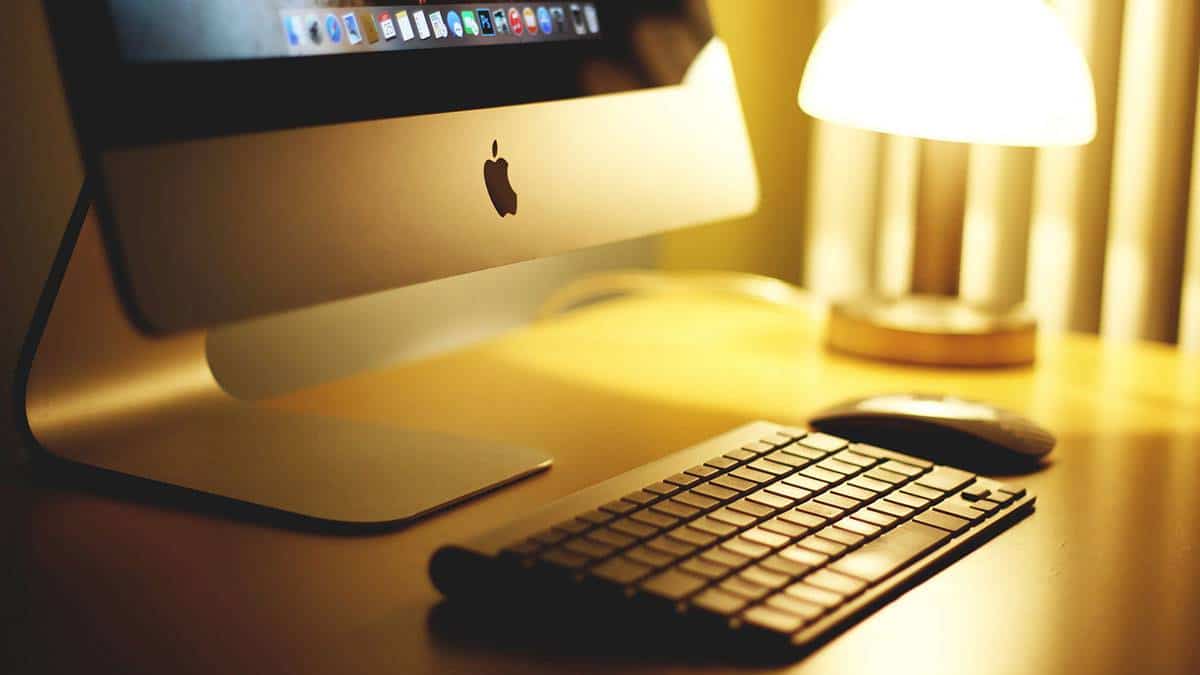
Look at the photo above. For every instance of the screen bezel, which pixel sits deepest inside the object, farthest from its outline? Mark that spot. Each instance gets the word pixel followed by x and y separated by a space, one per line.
pixel 120 104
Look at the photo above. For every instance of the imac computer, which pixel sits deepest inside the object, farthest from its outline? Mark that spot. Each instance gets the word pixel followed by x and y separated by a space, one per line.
pixel 248 158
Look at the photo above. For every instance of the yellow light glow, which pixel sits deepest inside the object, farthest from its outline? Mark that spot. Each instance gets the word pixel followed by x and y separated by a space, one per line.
pixel 1003 72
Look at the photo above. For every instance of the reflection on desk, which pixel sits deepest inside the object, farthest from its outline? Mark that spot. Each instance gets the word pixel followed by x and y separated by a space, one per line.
pixel 1104 578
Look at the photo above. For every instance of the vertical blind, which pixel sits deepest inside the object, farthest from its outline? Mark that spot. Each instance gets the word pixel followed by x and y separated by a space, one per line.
pixel 1101 238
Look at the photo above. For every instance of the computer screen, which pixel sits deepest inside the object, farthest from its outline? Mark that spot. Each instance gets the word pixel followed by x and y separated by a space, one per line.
pixel 165 30
pixel 255 156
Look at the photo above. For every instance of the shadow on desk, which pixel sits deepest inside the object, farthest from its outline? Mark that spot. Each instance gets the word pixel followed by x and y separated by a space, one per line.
pixel 602 641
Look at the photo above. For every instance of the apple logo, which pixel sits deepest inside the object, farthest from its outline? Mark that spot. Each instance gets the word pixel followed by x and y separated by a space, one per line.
pixel 495 176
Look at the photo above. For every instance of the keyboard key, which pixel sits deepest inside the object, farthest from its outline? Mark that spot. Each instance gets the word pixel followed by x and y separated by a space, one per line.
pixel 640 497
pixel 597 517
pixel 789 491
pixel 721 462
pixel 588 548
pixel 565 559
pixel 1013 490
pixel 837 500
pixel 650 557
pixel 853 492
pixel 713 527
pixel 671 547
pixel 986 505
pixel 956 506
pixel 713 493
pixel 844 537
pixel 746 589
pixel 746 548
pixel 702 471
pixel 906 499
pixel 886 476
pixel 732 517
pixel 759 447
pixel 683 479
pixel 704 568
pixel 852 457
pixel 824 510
pixel 810 484
pixel 611 538
pixel 769 467
pixel 783 527
pixel 655 519
pixel 874 517
pixel 835 581
pixel 891 508
pixel 673 584
pixel 719 602
pixel 795 606
pixel 790 433
pixel 784 565
pixel 943 521
pixel 574 526
pixel 900 467
pixel 857 526
pixel 803 555
pixel 945 478
pixel 767 498
pixel 619 507
pixel 781 457
pixel 773 620
pixel 810 454
pixel 821 474
pixel 880 558
pixel 662 488
pixel 701 498
pixel 839 466
pixel 815 543
pixel 922 491
pixel 802 518
pixel 734 483
pixel 675 509
pixel 752 475
pixel 633 528
pixel 741 455
pixel 823 442
pixel 752 508
pixel 765 577
pixel 621 571
pixel 760 536
pixel 692 536
pixel 974 493
pixel 872 484
pixel 724 557
pixel 818 596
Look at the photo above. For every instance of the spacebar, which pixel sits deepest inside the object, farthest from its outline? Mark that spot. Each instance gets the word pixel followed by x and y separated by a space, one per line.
pixel 890 552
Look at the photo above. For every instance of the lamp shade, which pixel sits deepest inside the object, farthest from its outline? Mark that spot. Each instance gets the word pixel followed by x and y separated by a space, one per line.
pixel 1003 72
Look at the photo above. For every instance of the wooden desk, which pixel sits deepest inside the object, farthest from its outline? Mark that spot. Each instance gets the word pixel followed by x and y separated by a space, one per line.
pixel 1103 578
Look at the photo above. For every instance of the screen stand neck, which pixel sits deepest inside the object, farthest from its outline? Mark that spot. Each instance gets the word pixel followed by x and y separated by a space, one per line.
pixel 97 392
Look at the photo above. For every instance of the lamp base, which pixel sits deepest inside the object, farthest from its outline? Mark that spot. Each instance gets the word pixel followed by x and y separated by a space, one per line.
pixel 933 330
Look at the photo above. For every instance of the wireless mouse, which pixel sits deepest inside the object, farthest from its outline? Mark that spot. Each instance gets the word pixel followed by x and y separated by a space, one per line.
pixel 943 429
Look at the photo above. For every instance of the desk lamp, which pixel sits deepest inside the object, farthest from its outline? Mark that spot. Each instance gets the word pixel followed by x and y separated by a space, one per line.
pixel 999 72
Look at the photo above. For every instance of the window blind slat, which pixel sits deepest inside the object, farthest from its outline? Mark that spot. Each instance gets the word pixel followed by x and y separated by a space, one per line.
pixel 1151 163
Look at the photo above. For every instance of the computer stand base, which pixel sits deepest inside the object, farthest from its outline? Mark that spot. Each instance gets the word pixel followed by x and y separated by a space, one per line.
pixel 96 391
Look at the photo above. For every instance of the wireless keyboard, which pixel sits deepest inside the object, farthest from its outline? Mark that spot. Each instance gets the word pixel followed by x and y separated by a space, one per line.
pixel 769 534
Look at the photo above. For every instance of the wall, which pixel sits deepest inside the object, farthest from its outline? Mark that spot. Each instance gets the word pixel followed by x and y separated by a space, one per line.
pixel 769 43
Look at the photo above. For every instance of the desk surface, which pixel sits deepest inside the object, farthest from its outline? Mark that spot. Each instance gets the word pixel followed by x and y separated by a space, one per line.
pixel 1103 578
